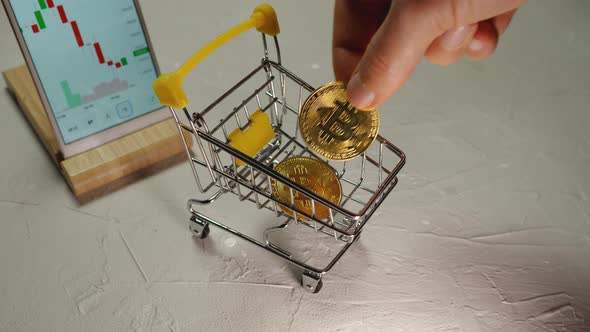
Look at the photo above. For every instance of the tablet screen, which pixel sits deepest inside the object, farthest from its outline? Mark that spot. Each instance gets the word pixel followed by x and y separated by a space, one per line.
pixel 92 59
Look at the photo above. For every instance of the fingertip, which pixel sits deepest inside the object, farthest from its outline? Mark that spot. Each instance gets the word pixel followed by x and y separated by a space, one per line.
pixel 479 50
pixel 359 95
pixel 484 43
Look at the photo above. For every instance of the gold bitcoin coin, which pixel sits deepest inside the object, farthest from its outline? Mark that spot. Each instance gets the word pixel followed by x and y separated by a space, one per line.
pixel 315 176
pixel 334 129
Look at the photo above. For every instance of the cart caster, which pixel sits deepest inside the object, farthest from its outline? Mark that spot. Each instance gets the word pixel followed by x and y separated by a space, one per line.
pixel 198 229
pixel 311 281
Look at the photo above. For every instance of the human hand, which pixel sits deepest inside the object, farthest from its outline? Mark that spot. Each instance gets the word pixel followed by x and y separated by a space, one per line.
pixel 378 43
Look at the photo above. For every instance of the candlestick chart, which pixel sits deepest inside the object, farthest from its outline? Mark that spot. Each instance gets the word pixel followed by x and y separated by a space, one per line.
pixel 92 59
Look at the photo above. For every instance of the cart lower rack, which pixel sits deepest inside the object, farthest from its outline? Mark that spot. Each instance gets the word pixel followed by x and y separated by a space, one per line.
pixel 263 108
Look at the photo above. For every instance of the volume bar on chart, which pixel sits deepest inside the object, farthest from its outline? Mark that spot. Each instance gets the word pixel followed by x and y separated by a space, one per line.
pixel 102 90
pixel 106 89
pixel 73 100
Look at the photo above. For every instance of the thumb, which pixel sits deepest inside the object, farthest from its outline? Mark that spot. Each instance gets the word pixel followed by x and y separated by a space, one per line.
pixel 400 43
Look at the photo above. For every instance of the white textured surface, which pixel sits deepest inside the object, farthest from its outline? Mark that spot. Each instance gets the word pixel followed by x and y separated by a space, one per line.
pixel 488 229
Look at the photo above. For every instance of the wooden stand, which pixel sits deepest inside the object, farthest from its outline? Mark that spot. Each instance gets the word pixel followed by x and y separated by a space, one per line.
pixel 107 167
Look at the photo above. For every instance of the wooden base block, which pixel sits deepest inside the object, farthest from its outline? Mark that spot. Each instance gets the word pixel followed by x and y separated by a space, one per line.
pixel 108 167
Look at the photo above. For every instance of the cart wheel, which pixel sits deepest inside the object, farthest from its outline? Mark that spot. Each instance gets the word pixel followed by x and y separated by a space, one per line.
pixel 205 232
pixel 312 282
pixel 199 230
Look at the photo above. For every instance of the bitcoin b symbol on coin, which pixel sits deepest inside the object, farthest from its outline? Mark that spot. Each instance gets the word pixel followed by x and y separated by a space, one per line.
pixel 300 176
pixel 338 122
pixel 300 170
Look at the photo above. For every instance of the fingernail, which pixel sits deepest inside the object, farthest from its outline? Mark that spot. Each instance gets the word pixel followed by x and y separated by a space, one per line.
pixel 454 38
pixel 475 45
pixel 358 93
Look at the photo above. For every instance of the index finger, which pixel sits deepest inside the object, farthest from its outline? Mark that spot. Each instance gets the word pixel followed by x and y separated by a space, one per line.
pixel 355 22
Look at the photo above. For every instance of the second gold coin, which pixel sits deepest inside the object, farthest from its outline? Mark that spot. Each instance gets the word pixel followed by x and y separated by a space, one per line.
pixel 312 174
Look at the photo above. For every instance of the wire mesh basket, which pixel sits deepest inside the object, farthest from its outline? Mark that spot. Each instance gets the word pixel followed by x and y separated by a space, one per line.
pixel 272 93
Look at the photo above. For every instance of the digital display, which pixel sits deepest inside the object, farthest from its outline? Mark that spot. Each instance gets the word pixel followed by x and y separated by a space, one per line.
pixel 92 59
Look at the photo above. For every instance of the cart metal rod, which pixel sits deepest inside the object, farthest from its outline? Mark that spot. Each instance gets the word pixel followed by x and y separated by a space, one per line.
pixel 257 185
pixel 229 116
pixel 232 89
pixel 330 233
pixel 273 229
pixel 342 232
pixel 185 127
pixel 284 104
pixel 276 154
pixel 354 199
pixel 200 144
pixel 280 253
pixel 247 197
pixel 268 172
pixel 359 184
pixel 345 212
pixel 349 196
pixel 300 145
pixel 291 75
pixel 243 182
pixel 267 196
pixel 187 150
pixel 374 163
pixel 255 93
pixel 377 203
pixel 390 177
pixel 274 118
pixel 277 48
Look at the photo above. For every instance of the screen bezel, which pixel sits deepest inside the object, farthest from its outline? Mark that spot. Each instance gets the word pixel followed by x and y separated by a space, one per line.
pixel 104 136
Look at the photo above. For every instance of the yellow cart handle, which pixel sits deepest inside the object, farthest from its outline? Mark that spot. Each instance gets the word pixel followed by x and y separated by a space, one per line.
pixel 168 87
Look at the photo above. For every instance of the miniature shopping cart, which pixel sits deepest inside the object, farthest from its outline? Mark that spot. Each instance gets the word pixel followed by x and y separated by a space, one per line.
pixel 244 133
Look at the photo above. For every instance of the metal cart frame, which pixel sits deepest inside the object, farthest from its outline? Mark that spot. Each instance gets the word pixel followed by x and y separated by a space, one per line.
pixel 213 163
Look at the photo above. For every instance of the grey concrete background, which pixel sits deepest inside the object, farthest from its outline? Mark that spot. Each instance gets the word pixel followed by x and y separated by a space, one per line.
pixel 488 229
